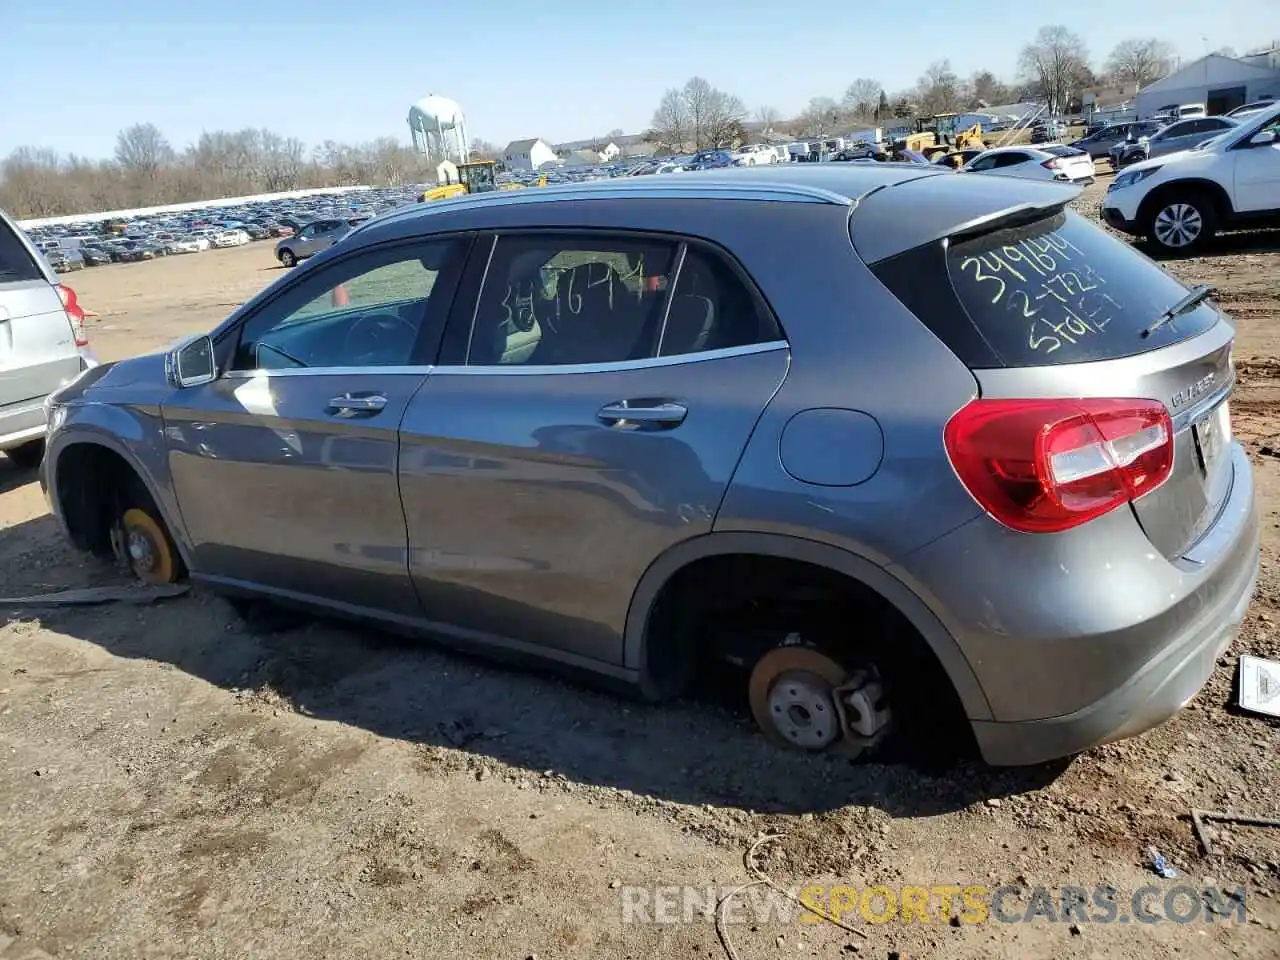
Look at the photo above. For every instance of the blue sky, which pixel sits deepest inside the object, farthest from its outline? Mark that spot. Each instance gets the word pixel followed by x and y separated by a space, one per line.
pixel 76 72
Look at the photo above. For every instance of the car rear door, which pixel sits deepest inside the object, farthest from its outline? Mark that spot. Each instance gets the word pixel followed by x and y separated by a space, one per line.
pixel 594 394
pixel 38 352
pixel 285 466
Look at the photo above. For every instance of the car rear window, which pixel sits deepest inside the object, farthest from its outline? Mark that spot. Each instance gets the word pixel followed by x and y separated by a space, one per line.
pixel 1058 290
pixel 1059 150
pixel 16 262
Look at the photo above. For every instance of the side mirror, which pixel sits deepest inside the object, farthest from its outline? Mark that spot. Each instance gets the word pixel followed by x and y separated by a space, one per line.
pixel 1262 138
pixel 191 363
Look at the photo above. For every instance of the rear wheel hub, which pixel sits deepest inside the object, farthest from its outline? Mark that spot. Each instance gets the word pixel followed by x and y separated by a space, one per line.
pixel 792 695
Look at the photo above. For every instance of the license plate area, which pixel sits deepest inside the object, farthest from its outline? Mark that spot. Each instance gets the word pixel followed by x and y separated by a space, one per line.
pixel 1212 434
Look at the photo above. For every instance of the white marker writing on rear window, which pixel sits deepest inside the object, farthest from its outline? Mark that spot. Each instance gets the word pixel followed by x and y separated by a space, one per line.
pixel 1062 298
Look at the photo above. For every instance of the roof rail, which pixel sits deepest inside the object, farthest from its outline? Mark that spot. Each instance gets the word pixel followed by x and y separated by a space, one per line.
pixel 613 190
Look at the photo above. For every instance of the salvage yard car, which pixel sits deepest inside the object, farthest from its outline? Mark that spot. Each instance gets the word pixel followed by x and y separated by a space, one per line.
pixel 42 342
pixel 1053 161
pixel 890 441
pixel 1181 200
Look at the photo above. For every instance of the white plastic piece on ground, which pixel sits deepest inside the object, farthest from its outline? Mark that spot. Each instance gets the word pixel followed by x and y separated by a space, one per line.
pixel 1260 686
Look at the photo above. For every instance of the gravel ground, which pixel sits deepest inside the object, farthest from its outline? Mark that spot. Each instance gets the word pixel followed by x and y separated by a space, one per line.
pixel 178 783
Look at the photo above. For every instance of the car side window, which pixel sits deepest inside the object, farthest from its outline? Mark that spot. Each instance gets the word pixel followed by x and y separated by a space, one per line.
pixel 713 309
pixel 566 299
pixel 364 310
pixel 983 163
pixel 1010 159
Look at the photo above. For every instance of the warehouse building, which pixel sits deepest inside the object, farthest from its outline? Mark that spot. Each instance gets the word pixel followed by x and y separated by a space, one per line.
pixel 1220 83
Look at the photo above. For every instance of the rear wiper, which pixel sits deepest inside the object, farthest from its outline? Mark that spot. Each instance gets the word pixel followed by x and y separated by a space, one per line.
pixel 1195 296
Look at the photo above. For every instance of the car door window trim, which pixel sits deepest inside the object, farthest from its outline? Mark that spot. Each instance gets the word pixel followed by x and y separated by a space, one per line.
pixel 526 370
pixel 517 369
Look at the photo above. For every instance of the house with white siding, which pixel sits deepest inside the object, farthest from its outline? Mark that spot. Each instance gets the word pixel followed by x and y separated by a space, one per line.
pixel 528 154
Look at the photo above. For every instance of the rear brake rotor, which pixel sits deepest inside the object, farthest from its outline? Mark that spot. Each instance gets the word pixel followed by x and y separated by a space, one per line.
pixel 792 699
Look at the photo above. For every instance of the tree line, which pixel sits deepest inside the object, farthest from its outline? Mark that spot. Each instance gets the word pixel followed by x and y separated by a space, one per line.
pixel 147 170
pixel 1054 68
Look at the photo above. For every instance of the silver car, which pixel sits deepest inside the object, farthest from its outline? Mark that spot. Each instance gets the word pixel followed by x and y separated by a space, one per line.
pixel 915 452
pixel 1179 135
pixel 41 347
pixel 312 239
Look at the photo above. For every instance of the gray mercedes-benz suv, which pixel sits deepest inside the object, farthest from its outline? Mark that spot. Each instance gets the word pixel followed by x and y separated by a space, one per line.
pixel 891 441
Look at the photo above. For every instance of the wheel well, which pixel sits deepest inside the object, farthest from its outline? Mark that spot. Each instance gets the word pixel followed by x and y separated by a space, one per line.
pixel 1214 191
pixel 94 487
pixel 738 606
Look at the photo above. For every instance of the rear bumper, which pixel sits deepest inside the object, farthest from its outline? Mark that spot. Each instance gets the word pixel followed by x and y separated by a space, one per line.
pixel 23 422
pixel 1080 643
pixel 1153 695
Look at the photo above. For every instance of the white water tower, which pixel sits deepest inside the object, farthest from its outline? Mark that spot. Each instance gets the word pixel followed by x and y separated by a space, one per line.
pixel 439 129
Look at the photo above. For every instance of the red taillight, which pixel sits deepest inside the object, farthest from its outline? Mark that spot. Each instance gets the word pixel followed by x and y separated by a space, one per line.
pixel 74 314
pixel 1051 164
pixel 1042 466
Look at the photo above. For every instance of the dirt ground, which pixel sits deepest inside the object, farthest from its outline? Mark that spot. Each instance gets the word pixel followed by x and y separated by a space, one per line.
pixel 175 784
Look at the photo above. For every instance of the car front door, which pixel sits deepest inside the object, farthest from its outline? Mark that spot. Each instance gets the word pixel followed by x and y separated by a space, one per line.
pixel 594 394
pixel 285 465
pixel 1257 171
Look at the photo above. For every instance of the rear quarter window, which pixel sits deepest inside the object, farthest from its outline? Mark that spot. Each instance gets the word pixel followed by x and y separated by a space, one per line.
pixel 1055 291
pixel 16 263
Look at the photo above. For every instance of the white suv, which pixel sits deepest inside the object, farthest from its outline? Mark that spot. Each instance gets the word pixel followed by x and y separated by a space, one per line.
pixel 1180 200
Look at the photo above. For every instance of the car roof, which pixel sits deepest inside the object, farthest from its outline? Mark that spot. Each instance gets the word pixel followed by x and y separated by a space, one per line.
pixel 841 184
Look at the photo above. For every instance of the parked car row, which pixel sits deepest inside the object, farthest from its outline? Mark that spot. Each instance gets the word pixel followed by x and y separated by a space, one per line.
pixel 74 246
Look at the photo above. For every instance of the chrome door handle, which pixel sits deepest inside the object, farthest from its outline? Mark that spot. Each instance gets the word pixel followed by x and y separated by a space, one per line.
pixel 349 405
pixel 628 413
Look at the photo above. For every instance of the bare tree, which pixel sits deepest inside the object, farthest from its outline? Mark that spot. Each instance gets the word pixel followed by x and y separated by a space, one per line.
pixel 938 89
pixel 1139 62
pixel 862 96
pixel 142 149
pixel 1057 62
pixel 484 150
pixel 672 125
pixel 1226 52
pixel 767 117
pixel 985 89
pixel 821 116
pixel 697 113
